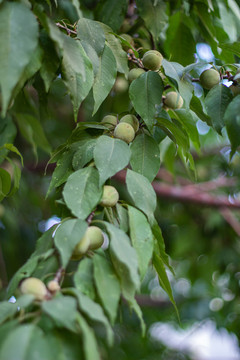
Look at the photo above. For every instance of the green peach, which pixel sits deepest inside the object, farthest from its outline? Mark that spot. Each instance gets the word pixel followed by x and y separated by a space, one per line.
pixel 173 100
pixel 132 120
pixel 135 73
pixel 124 132
pixel 209 78
pixel 96 237
pixel 110 196
pixel 152 60
pixel 34 287
pixel 110 121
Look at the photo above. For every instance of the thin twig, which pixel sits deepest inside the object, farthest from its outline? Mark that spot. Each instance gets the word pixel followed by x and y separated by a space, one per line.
pixel 69 31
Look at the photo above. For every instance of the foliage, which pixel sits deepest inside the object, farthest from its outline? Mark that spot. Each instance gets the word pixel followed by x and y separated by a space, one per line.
pixel 65 67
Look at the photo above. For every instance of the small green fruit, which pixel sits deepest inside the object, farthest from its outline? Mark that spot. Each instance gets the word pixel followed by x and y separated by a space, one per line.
pixel 53 286
pixel 96 237
pixel 152 60
pixel 110 196
pixel 132 120
pixel 173 100
pixel 209 78
pixel 81 248
pixel 110 121
pixel 135 73
pixel 124 132
pixel 235 90
pixel 121 85
pixel 34 287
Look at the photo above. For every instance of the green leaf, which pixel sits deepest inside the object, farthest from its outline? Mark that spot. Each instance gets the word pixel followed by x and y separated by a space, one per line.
pixel 91 31
pixel 175 131
pixel 64 344
pixel 122 217
pixel 62 171
pixel 141 238
pixel 7 134
pixel 33 66
pixel 81 192
pixel 137 185
pixel 233 48
pixel 112 13
pixel 89 340
pixel 145 158
pixel 173 71
pixel 7 310
pixel 83 278
pixel 146 93
pixel 50 62
pixel 45 242
pixel 25 271
pixel 93 56
pixel 115 45
pixel 160 245
pixel 84 153
pixel 154 16
pixel 6 329
pixel 105 279
pixel 232 121
pixel 94 312
pixel 188 119
pixel 110 156
pixel 206 19
pixel 12 148
pixel 105 77
pixel 16 177
pixel 63 310
pixel 197 107
pixel 5 183
pixel 216 103
pixel 163 279
pixel 180 44
pixel 77 71
pixel 26 342
pixel 18 46
pixel 125 262
pixel 33 132
pixel 67 236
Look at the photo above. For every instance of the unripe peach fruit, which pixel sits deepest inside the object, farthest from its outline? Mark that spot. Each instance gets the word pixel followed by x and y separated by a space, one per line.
pixel 110 121
pixel 124 132
pixel 34 287
pixel 135 73
pixel 132 120
pixel 53 286
pixel 209 78
pixel 96 237
pixel 81 248
pixel 152 60
pixel 110 196
pixel 173 100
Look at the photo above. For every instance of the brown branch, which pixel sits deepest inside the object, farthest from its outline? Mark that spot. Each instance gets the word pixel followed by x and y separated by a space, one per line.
pixel 59 274
pixel 90 217
pixel 177 193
